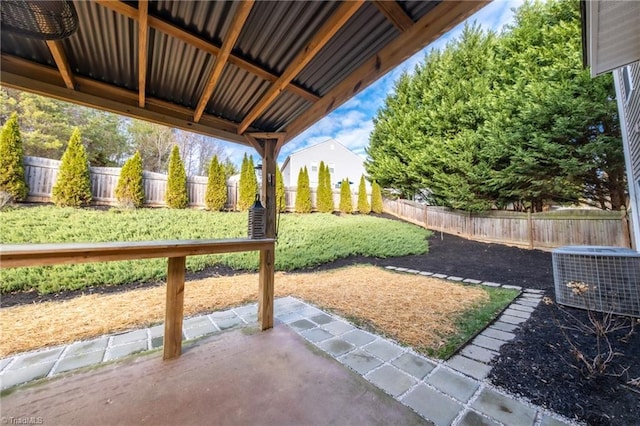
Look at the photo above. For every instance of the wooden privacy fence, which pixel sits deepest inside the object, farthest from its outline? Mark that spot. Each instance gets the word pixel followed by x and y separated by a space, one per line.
pixel 538 230
pixel 41 173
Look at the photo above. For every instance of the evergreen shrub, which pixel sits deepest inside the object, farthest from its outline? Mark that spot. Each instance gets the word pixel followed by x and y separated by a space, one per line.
pixel 12 181
pixel 303 192
pixel 73 184
pixel 376 198
pixel 346 205
pixel 216 195
pixel 363 202
pixel 130 188
pixel 176 196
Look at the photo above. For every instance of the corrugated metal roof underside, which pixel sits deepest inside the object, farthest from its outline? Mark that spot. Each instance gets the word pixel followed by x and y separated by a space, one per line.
pixel 363 35
pixel 177 72
pixel 28 48
pixel 281 112
pixel 277 30
pixel 418 8
pixel 228 101
pixel 104 47
pixel 209 20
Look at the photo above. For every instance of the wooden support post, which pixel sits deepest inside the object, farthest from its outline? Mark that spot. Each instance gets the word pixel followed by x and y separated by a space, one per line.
pixel 267 257
pixel 174 308
pixel 530 226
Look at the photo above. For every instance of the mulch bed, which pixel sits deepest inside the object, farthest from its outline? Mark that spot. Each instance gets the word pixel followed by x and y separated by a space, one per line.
pixel 537 363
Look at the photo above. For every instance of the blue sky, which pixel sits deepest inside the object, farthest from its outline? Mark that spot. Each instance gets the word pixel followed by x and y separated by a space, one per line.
pixel 352 123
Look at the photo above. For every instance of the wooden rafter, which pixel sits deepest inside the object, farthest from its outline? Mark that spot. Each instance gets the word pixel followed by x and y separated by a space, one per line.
pixel 428 28
pixel 25 75
pixel 143 35
pixel 319 40
pixel 395 14
pixel 242 13
pixel 204 45
pixel 57 51
pixel 256 138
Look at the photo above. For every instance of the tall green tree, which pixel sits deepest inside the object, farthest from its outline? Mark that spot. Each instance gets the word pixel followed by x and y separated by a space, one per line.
pixel 346 203
pixel 376 198
pixel 281 200
pixel 73 184
pixel 303 192
pixel 248 184
pixel 130 187
pixel 11 161
pixel 216 195
pixel 324 192
pixel 176 196
pixel 363 200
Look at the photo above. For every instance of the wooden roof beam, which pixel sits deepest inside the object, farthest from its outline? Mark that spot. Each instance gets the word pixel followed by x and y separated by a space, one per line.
pixel 319 40
pixel 395 14
pixel 439 20
pixel 143 36
pixel 204 45
pixel 57 51
pixel 240 17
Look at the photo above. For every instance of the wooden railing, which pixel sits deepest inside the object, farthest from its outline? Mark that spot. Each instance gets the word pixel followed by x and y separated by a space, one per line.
pixel 19 255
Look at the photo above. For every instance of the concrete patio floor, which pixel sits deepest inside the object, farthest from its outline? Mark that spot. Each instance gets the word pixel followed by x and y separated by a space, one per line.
pixel 237 377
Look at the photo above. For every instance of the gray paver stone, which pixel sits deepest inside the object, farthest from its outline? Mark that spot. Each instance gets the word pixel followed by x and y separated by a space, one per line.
pixel 126 349
pixel 251 318
pixel 203 330
pixel 478 353
pixel 390 267
pixel 455 385
pixel 528 303
pixel 228 323
pixel 523 308
pixel 5 362
pixel 78 361
pixel 157 342
pixel 402 269
pixel 156 331
pixel 34 358
pixel 426 274
pixel 511 319
pixel 222 315
pixel 246 310
pixel 310 311
pixel 383 349
pixel 391 380
pixel 302 324
pixel 471 418
pixel 336 347
pixel 471 281
pixel 360 361
pixel 551 421
pixel 440 275
pixel 498 334
pixel 316 335
pixel 10 378
pixel 488 342
pixel 512 287
pixel 94 345
pixel 412 271
pixel 503 326
pixel 358 337
pixel 491 284
pixel 290 317
pixel 469 367
pixel 132 336
pixel 196 322
pixel 504 409
pixel 455 278
pixel 433 405
pixel 338 327
pixel 415 365
pixel 517 313
pixel 322 319
pixel 533 290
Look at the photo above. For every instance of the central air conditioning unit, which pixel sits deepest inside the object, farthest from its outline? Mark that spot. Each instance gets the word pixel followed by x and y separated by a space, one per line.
pixel 611 276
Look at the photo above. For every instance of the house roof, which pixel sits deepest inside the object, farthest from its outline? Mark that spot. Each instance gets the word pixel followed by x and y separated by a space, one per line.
pixel 316 146
pixel 611 35
pixel 225 68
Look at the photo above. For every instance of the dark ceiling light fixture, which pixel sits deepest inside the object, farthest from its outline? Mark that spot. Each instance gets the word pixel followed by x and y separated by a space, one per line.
pixel 45 20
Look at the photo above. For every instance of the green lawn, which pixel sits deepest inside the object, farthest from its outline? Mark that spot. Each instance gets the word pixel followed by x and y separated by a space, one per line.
pixel 304 241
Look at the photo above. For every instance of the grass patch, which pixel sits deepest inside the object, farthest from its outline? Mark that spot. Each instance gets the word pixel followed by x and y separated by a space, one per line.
pixel 421 312
pixel 472 321
pixel 304 241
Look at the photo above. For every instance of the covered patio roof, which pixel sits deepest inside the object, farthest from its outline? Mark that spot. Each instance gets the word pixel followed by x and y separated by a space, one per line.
pixel 226 68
